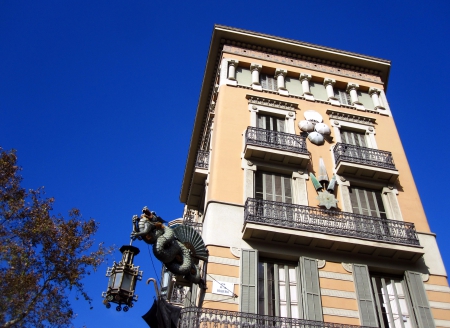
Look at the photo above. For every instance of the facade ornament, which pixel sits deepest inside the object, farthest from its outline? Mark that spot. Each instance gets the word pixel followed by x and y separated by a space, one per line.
pixel 254 66
pixel 370 129
pixel 352 89
pixel 232 64
pixel 255 69
pixel 342 178
pixel 324 188
pixel 314 127
pixel 279 75
pixel 321 264
pixel 236 251
pixel 347 267
pixel 291 114
pixel 249 163
pixel 374 93
pixel 336 123
pixel 425 277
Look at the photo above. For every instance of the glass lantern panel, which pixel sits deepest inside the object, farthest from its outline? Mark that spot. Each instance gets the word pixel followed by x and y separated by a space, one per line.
pixel 111 280
pixel 127 282
pixel 118 280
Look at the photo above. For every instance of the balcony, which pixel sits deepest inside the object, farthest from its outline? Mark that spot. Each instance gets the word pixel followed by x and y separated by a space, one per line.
pixel 275 147
pixel 277 222
pixel 364 162
pixel 209 318
pixel 198 178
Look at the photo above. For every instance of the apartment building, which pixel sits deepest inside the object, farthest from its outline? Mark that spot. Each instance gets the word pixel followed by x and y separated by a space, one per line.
pixel 298 182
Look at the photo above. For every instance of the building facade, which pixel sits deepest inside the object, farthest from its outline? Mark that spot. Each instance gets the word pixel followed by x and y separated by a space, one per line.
pixel 298 182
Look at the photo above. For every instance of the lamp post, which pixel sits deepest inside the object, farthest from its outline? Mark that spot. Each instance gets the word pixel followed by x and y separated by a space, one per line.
pixel 122 280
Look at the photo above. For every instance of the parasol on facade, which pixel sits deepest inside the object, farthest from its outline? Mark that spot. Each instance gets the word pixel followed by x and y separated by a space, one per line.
pixel 316 138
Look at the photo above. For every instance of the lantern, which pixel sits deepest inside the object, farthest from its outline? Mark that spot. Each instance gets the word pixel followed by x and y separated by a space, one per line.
pixel 122 280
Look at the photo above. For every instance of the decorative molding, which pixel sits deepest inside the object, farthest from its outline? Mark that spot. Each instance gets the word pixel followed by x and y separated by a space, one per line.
pixel 374 90
pixel 353 118
pixel 335 275
pixel 223 260
pixel 437 288
pixel 328 81
pixel 351 86
pixel 321 264
pixel 254 66
pixel 425 276
pixel 281 104
pixel 301 61
pixel 233 62
pixel 218 277
pixel 440 305
pixel 347 267
pixel 221 298
pixel 341 312
pixel 337 293
pixel 280 71
pixel 235 250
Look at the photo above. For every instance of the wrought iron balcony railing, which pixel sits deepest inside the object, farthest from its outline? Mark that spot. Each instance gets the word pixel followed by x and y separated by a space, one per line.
pixel 202 161
pixel 330 222
pixel 363 155
pixel 208 318
pixel 277 140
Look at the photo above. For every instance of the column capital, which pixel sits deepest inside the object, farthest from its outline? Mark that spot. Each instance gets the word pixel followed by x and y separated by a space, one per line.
pixel 374 90
pixel 279 72
pixel 352 86
pixel 304 76
pixel 254 66
pixel 233 62
pixel 327 81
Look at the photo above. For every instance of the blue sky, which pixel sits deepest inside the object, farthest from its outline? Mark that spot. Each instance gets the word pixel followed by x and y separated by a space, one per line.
pixel 99 98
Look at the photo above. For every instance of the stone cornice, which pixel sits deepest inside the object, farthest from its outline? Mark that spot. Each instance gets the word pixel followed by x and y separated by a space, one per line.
pixel 337 115
pixel 301 61
pixel 263 101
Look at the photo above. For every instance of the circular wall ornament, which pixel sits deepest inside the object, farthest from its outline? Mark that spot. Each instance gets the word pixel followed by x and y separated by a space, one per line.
pixel 321 264
pixel 347 267
pixel 249 163
pixel 236 251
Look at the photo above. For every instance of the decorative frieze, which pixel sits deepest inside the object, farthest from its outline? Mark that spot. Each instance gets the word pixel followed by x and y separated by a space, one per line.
pixel 262 101
pixel 353 118
pixel 301 61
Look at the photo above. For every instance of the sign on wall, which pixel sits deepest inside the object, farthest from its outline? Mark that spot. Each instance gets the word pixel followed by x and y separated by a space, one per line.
pixel 223 288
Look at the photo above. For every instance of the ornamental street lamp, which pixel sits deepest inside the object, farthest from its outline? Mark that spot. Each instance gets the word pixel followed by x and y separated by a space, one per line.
pixel 122 280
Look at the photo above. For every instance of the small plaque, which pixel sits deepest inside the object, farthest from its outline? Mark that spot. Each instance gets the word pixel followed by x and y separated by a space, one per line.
pixel 223 288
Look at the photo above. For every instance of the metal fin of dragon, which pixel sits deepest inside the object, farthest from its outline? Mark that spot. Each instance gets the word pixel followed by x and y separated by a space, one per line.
pixel 180 247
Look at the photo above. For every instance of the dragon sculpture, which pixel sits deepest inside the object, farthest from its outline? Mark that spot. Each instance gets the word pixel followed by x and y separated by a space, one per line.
pixel 179 248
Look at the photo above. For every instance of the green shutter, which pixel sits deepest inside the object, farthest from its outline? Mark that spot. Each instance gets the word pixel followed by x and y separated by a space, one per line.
pixel 365 99
pixel 312 304
pixel 419 300
pixel 318 90
pixel 366 303
pixel 244 76
pixel 249 264
pixel 294 86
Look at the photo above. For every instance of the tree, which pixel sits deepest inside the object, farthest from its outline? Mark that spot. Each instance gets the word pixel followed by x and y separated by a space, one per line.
pixel 42 256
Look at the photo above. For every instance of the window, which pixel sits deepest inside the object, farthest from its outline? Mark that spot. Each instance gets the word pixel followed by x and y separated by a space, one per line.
pixel 343 97
pixel 353 138
pixel 390 301
pixel 294 86
pixel 318 90
pixel 243 76
pixel 278 289
pixel 268 82
pixel 271 123
pixel 274 187
pixel 367 202
pixel 365 99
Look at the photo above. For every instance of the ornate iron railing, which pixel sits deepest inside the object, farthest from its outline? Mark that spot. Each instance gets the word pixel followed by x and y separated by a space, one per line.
pixel 197 226
pixel 328 221
pixel 276 140
pixel 363 155
pixel 202 161
pixel 208 318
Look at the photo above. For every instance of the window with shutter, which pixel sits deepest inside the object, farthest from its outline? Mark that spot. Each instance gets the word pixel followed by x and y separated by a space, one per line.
pixel 249 276
pixel 367 202
pixel 312 305
pixel 343 96
pixel 364 294
pixel 278 289
pixel 271 123
pixel 294 86
pixel 419 299
pixel 353 138
pixel 318 90
pixel 365 99
pixel 268 82
pixel 272 186
pixel 244 76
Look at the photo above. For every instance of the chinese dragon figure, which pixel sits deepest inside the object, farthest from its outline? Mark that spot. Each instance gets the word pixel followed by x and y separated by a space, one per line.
pixel 179 248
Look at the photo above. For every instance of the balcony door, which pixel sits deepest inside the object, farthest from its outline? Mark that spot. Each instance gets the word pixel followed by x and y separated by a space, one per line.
pixel 354 138
pixel 271 123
